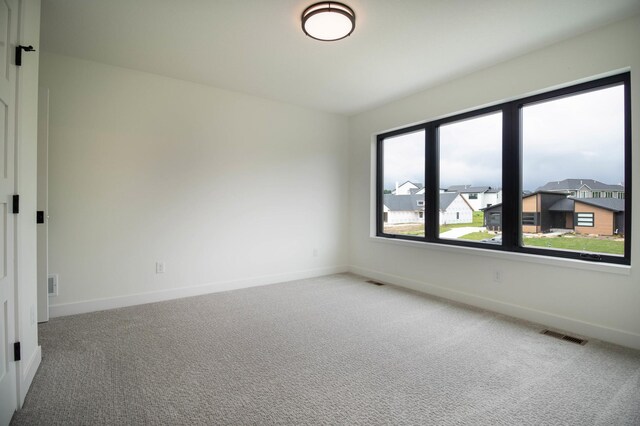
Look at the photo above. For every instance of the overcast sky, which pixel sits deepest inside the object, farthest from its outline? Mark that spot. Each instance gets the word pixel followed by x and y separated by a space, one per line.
pixel 578 137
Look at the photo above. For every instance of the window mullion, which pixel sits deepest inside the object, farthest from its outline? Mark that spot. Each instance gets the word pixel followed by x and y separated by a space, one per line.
pixel 431 184
pixel 511 178
pixel 379 184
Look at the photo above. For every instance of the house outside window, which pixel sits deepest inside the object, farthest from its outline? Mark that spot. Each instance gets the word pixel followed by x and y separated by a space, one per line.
pixel 591 117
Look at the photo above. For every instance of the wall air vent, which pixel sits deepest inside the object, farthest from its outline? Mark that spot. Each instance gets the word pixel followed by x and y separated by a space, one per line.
pixel 52 284
pixel 566 337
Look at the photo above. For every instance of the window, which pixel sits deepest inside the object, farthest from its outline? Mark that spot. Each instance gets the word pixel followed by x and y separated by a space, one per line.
pixel 470 151
pixel 537 151
pixel 584 219
pixel 493 221
pixel 529 219
pixel 580 135
pixel 403 170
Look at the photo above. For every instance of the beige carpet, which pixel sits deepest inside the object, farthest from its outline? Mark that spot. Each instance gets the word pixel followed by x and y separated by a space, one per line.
pixel 331 350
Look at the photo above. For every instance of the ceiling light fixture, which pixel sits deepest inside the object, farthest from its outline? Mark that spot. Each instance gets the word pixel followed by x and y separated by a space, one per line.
pixel 328 21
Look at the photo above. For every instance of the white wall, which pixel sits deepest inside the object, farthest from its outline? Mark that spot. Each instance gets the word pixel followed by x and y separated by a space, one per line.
pixel 599 302
pixel 227 189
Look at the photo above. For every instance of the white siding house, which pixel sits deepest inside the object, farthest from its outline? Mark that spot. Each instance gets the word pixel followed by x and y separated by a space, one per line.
pixel 407 188
pixel 403 208
pixel 478 197
pixel 410 209
pixel 454 209
pixel 585 188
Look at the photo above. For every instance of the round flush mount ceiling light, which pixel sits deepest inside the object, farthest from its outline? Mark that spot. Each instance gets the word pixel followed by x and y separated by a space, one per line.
pixel 328 21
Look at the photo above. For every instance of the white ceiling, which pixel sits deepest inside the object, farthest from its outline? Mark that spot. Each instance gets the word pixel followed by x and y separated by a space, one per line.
pixel 257 46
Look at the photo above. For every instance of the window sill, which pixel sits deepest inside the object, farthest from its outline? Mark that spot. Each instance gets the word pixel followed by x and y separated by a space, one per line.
pixel 520 257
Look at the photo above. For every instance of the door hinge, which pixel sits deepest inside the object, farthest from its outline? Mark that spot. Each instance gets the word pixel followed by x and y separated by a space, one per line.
pixel 16 351
pixel 16 204
pixel 40 216
pixel 19 50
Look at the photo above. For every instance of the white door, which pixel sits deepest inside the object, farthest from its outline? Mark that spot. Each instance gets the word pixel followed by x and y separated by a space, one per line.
pixel 8 38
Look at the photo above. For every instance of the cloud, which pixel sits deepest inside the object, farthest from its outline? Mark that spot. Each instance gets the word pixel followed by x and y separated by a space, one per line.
pixel 579 136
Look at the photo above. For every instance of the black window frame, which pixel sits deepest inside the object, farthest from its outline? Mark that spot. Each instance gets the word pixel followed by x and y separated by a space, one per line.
pixel 511 174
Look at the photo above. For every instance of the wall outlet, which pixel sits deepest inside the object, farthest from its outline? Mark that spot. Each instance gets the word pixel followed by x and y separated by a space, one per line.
pixel 497 276
pixel 160 268
pixel 52 285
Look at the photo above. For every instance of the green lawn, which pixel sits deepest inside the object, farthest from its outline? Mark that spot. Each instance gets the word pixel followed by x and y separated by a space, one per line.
pixel 477 236
pixel 576 243
pixel 592 245
pixel 417 229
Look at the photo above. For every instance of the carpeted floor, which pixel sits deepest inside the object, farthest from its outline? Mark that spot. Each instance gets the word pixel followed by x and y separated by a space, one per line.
pixel 330 350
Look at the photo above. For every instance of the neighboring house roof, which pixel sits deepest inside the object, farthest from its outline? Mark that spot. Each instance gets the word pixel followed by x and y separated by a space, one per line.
pixel 446 198
pixel 576 184
pixel 410 202
pixel 527 195
pixel 567 204
pixel 417 185
pixel 492 207
pixel 396 203
pixel 456 188
pixel 531 194
pixel 475 190
pixel 468 189
pixel 564 205
pixel 613 204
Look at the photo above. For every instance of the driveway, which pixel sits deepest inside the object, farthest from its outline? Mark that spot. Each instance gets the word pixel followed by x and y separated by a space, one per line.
pixel 459 232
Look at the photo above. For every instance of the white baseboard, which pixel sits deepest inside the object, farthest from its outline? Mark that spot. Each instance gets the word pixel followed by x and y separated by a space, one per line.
pixel 177 293
pixel 28 373
pixel 559 322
